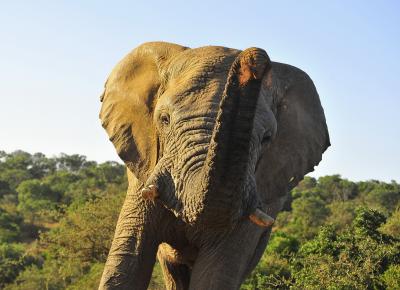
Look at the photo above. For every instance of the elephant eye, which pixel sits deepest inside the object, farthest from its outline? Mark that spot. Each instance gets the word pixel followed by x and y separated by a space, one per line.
pixel 266 138
pixel 165 119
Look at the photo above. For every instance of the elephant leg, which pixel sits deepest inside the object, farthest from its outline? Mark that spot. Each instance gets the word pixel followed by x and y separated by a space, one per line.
pixel 176 276
pixel 176 265
pixel 262 244
pixel 132 255
pixel 223 265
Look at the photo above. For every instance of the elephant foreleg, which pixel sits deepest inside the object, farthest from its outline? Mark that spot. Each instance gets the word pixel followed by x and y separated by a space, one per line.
pixel 132 255
pixel 176 265
pixel 273 207
pixel 176 276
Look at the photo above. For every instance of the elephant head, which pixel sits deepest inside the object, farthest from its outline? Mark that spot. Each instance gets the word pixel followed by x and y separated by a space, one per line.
pixel 213 134
pixel 189 124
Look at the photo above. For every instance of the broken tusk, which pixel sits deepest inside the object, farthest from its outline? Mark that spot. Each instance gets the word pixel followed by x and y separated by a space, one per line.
pixel 149 192
pixel 261 218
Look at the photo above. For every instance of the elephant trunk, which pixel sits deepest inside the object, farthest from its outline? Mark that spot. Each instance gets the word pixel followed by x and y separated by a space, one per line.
pixel 225 188
pixel 160 186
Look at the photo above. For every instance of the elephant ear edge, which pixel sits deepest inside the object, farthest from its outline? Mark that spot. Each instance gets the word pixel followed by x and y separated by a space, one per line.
pixel 128 102
pixel 302 135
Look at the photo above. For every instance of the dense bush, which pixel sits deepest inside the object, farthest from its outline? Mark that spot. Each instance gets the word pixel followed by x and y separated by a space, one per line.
pixel 338 235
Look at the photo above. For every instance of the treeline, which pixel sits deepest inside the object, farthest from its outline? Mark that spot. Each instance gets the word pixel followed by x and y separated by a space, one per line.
pixel 57 218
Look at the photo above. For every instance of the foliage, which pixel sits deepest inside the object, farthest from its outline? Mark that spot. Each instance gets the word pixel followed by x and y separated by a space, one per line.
pixel 35 198
pixel 335 234
pixel 392 226
pixel 338 235
pixel 78 236
pixel 391 277
pixel 351 260
pixel 13 259
pixel 9 226
pixel 51 209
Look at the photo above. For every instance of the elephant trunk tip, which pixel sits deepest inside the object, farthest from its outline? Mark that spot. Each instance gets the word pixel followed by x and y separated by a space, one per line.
pixel 150 193
pixel 253 64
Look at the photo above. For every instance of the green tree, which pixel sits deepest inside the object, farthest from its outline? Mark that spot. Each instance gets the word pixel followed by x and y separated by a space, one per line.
pixel 392 225
pixel 41 165
pixel 342 214
pixel 381 196
pixel 9 226
pixel 308 213
pixel 71 163
pixel 4 188
pixel 283 244
pixel 355 259
pixel 14 176
pixel 35 198
pixel 78 236
pixel 13 260
pixel 334 188
pixel 62 183
pixel 391 277
pixel 17 160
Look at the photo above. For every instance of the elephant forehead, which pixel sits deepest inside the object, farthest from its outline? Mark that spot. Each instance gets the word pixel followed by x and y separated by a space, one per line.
pixel 197 75
pixel 199 62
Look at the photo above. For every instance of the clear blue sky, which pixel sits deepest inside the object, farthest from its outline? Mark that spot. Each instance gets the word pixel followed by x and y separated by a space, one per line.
pixel 56 55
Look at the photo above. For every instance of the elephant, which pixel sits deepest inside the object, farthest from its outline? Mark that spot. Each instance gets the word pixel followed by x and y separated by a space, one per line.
pixel 213 139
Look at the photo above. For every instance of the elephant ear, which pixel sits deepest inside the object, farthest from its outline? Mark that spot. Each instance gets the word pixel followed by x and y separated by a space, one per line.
pixel 302 134
pixel 128 103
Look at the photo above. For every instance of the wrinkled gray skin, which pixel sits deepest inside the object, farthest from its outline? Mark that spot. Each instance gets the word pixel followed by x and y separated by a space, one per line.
pixel 219 133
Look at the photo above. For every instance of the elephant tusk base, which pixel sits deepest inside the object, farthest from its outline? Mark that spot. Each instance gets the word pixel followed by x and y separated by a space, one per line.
pixel 261 219
pixel 150 192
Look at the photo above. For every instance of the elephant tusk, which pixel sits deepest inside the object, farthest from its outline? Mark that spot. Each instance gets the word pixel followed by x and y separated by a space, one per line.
pixel 260 218
pixel 150 192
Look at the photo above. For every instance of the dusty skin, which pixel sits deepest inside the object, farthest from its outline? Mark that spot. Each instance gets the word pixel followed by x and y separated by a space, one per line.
pixel 213 139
